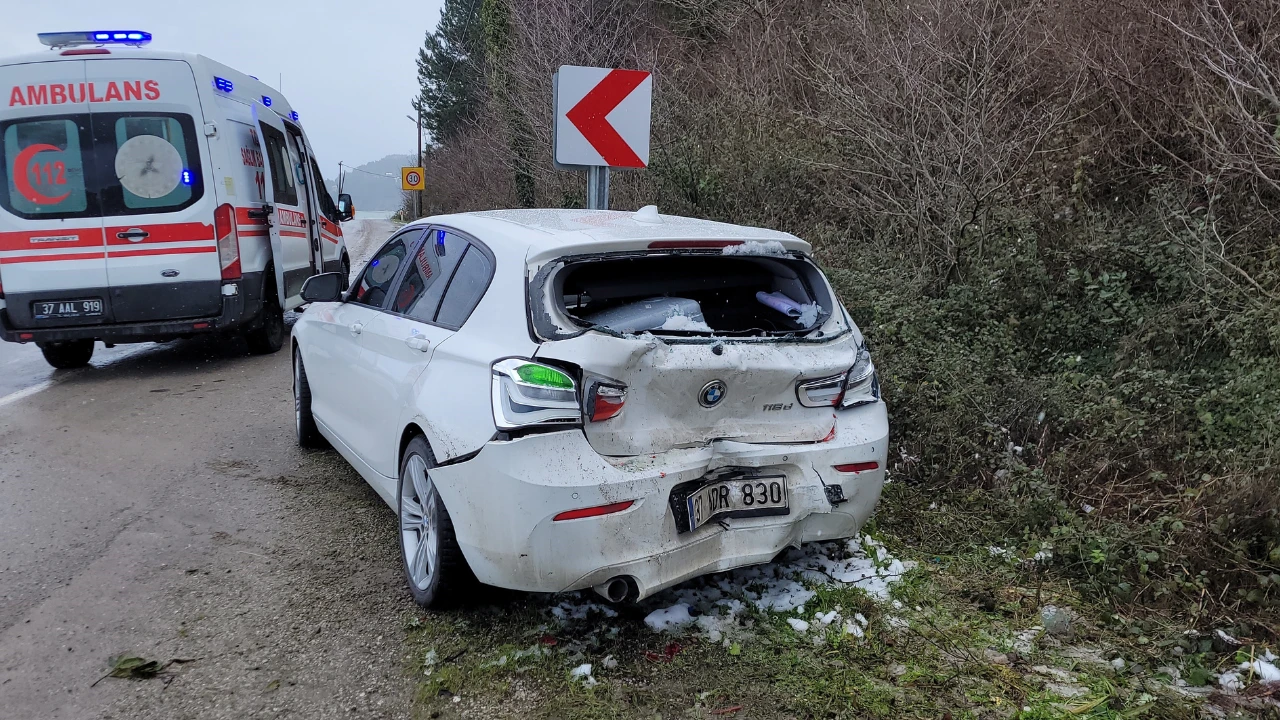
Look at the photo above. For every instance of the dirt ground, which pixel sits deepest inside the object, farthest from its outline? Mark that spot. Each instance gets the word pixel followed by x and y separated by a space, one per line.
pixel 157 505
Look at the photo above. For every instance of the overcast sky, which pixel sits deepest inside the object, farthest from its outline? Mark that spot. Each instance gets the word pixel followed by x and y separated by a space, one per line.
pixel 348 66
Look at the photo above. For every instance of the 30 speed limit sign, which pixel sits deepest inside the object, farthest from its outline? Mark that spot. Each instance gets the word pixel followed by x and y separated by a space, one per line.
pixel 412 178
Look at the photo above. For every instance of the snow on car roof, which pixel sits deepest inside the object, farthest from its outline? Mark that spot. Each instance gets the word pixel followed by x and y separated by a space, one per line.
pixel 580 229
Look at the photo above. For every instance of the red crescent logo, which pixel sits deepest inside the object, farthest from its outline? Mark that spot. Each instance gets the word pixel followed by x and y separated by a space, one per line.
pixel 23 183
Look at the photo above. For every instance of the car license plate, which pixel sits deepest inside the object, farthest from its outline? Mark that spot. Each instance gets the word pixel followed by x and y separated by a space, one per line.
pixel 44 310
pixel 739 496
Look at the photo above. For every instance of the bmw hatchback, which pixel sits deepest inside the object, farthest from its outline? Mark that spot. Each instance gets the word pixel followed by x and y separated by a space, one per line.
pixel 555 400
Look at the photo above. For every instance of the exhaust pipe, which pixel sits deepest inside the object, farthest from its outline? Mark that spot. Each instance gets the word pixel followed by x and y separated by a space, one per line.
pixel 618 590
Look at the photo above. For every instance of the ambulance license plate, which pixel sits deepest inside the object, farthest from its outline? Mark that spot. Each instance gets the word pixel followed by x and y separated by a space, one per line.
pixel 738 497
pixel 90 307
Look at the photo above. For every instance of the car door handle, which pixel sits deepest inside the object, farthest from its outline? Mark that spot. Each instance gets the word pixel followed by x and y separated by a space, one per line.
pixel 357 328
pixel 263 215
pixel 420 344
pixel 134 234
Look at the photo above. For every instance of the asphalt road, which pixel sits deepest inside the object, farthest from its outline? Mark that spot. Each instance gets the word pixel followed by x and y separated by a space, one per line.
pixel 156 504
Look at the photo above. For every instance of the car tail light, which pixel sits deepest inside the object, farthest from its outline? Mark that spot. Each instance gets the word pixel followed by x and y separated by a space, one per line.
pixel 862 385
pixel 823 392
pixel 526 393
pixel 605 401
pixel 858 386
pixel 224 228
pixel 596 511
pixel 858 467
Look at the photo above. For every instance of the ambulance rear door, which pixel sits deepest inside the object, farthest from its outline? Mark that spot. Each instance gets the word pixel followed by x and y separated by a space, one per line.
pixel 151 151
pixel 53 268
pixel 290 241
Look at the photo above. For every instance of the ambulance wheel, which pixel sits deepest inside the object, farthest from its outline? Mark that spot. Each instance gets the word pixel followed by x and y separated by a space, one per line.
pixel 68 355
pixel 266 335
pixel 437 573
pixel 304 424
pixel 346 272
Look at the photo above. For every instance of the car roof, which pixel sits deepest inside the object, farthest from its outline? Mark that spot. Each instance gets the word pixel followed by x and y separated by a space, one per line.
pixel 549 232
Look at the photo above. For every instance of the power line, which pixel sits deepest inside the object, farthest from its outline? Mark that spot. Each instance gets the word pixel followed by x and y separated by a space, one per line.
pixel 348 168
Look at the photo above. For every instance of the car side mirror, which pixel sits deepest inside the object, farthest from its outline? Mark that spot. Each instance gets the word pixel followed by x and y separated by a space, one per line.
pixel 326 287
pixel 346 208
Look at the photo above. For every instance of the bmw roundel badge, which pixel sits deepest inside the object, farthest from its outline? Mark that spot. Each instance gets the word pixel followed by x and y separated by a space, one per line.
pixel 712 393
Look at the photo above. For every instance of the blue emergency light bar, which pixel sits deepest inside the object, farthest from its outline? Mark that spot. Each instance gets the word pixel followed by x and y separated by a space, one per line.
pixel 223 84
pixel 294 115
pixel 266 101
pixel 136 38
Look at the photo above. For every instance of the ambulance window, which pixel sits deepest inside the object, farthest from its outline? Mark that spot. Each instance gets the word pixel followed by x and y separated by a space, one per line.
pixel 282 169
pixel 146 162
pixel 327 207
pixel 42 168
pixel 150 159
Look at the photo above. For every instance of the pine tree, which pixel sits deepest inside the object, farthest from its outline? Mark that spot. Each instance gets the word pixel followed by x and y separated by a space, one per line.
pixel 450 71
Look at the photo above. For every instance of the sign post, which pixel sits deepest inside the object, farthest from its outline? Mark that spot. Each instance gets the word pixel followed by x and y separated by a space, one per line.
pixel 602 122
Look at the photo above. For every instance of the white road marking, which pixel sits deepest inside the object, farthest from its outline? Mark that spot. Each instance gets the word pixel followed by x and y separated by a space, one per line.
pixel 25 393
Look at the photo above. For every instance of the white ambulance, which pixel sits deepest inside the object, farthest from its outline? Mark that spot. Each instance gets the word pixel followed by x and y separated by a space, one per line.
pixel 147 196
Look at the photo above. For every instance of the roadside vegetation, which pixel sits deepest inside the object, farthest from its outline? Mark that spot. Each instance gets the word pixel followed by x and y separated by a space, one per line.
pixel 1057 224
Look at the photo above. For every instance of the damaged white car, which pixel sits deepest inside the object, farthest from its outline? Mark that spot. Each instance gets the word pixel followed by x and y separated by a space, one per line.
pixel 554 400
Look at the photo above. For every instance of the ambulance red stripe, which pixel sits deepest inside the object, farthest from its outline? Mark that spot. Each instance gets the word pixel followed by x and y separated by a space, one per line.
pixel 162 251
pixel 51 258
pixel 242 217
pixel 172 232
pixel 51 239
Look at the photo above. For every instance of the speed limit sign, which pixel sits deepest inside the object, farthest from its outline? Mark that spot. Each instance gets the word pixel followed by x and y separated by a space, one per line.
pixel 412 178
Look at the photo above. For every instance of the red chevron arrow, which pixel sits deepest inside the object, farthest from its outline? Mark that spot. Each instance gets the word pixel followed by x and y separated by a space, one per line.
pixel 591 113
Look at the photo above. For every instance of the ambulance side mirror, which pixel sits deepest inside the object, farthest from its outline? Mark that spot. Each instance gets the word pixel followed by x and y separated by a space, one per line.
pixel 346 208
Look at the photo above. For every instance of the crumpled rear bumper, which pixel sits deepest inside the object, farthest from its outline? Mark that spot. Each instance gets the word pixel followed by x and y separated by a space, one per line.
pixel 503 500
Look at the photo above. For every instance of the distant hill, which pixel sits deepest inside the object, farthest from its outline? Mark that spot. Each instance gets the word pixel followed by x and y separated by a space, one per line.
pixel 374 191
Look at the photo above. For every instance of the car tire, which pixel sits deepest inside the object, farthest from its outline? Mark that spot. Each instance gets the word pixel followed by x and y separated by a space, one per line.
pixel 266 335
pixel 304 422
pixel 426 534
pixel 68 355
pixel 346 272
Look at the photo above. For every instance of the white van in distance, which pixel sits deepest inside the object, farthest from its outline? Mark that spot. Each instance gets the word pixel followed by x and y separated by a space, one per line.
pixel 147 196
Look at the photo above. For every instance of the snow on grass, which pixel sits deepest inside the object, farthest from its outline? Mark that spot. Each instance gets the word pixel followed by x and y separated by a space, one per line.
pixel 676 616
pixel 716 606
pixel 753 247
pixel 582 674
pixel 1261 669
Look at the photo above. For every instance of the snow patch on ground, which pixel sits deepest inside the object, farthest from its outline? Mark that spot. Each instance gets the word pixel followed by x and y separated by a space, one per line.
pixel 582 674
pixel 717 606
pixel 670 618
pixel 753 247
pixel 1262 669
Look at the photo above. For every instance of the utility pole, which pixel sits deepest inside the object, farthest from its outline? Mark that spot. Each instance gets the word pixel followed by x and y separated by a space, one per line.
pixel 424 173
pixel 418 200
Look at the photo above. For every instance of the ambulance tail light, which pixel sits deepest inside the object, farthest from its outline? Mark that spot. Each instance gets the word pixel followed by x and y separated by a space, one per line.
pixel 224 228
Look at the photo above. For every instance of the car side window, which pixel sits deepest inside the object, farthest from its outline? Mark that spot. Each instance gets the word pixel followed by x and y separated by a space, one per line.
pixel 425 282
pixel 465 289
pixel 375 281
